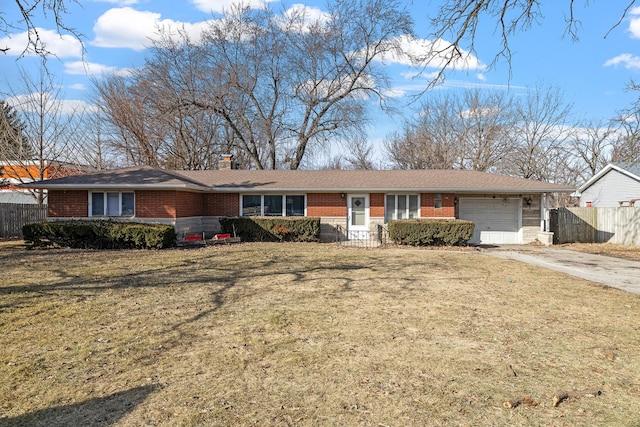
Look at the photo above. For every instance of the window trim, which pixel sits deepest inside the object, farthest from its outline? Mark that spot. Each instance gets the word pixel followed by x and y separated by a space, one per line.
pixel 284 204
pixel 437 200
pixel 105 199
pixel 407 210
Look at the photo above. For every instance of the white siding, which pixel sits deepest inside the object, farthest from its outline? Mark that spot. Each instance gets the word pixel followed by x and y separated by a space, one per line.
pixel 610 189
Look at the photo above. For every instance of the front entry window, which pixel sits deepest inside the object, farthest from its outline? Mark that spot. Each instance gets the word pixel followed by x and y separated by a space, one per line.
pixel 358 214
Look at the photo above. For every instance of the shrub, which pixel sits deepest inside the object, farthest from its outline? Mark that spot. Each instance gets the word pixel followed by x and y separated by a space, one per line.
pixel 99 235
pixel 273 229
pixel 431 232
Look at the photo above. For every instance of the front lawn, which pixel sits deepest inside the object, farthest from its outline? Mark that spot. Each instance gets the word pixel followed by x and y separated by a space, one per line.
pixel 309 334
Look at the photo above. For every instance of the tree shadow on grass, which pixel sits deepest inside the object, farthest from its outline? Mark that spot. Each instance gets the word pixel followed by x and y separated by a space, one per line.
pixel 99 411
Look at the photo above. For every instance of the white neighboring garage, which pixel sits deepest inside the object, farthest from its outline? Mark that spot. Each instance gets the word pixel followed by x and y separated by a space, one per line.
pixel 498 220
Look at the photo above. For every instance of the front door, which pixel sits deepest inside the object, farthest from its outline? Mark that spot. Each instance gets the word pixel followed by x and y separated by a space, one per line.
pixel 358 221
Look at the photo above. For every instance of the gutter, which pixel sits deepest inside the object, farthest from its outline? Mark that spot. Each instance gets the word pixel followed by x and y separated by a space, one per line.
pixel 116 187
pixel 474 190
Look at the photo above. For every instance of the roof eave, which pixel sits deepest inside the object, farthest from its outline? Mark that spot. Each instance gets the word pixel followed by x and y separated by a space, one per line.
pixel 53 186
pixel 509 190
pixel 605 171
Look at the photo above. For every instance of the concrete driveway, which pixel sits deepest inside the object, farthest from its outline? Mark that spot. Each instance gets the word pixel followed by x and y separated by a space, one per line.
pixel 615 272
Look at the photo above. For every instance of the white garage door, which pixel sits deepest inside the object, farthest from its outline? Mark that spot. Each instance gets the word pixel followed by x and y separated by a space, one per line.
pixel 496 219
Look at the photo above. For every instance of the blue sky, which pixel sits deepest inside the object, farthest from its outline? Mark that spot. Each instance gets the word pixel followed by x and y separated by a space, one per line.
pixel 592 72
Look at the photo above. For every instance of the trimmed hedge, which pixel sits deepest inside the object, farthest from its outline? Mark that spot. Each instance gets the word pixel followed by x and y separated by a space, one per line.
pixel 273 229
pixel 100 234
pixel 431 232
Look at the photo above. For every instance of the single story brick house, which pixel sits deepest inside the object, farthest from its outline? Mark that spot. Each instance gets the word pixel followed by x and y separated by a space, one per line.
pixel 505 209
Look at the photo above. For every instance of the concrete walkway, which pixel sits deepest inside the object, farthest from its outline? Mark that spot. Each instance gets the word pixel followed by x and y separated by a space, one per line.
pixel 615 272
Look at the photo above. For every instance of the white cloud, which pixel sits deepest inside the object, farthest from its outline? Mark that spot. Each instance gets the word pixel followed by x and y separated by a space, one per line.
pixel 125 27
pixel 303 16
pixel 219 6
pixel 431 54
pixel 31 103
pixel 62 46
pixel 395 93
pixel 118 2
pixel 479 112
pixel 473 85
pixel 93 69
pixel 481 77
pixel 634 23
pixel 77 86
pixel 129 28
pixel 629 61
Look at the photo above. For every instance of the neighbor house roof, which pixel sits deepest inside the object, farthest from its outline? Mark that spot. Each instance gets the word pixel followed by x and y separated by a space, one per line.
pixel 632 170
pixel 233 180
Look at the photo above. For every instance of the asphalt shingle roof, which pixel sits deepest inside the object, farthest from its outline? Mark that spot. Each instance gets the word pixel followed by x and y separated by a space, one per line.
pixel 309 181
pixel 633 168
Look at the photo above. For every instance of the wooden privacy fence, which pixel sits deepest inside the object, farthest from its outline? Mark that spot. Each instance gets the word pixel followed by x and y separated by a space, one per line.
pixel 596 225
pixel 14 215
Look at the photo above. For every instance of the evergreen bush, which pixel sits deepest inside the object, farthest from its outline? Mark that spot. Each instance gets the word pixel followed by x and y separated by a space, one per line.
pixel 431 232
pixel 99 235
pixel 273 229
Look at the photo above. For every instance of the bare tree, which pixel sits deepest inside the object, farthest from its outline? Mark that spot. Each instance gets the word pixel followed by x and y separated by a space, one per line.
pixel 460 21
pixel 360 154
pixel 30 12
pixel 416 148
pixel 626 147
pixel 432 139
pixel 127 108
pixel 468 130
pixel 279 86
pixel 146 128
pixel 592 145
pixel 541 129
pixel 48 127
pixel 486 129
pixel 92 143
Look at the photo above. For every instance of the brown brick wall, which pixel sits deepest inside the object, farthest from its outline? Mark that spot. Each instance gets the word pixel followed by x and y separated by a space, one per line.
pixel 68 203
pixel 222 204
pixel 427 203
pixel 326 204
pixel 189 204
pixel 376 205
pixel 169 204
pixel 156 204
pixel 179 204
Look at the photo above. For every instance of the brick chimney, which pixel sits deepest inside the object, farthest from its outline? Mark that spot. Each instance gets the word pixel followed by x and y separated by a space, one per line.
pixel 226 162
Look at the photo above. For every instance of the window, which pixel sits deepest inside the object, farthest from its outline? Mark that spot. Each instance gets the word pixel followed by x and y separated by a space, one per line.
pixel 437 201
pixel 295 205
pixel 112 204
pixel 400 206
pixel 272 205
pixel 251 205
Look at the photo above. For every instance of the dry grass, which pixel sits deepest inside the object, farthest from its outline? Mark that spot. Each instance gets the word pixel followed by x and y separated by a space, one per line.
pixel 617 251
pixel 296 334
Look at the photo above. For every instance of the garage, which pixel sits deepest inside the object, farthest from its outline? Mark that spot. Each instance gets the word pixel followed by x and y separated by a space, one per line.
pixel 497 219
